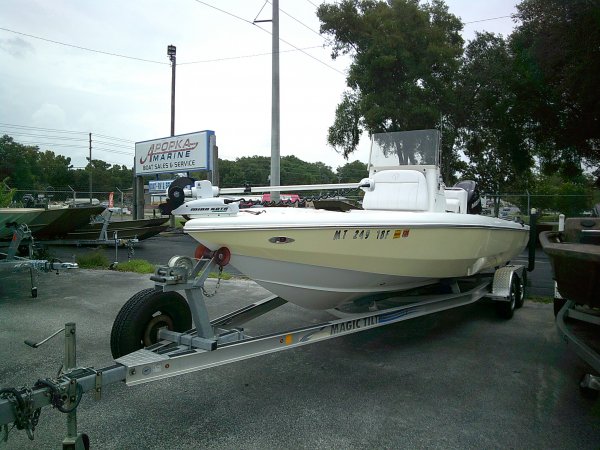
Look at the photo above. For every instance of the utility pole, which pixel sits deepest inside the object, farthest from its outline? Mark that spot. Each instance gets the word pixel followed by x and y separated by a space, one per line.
pixel 275 154
pixel 91 168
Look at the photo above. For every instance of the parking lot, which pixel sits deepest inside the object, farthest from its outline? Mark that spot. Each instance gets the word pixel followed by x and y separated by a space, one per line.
pixel 459 379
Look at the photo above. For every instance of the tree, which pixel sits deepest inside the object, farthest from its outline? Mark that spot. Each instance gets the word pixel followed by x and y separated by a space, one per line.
pixel 53 170
pixel 18 161
pixel 404 59
pixel 557 48
pixel 492 131
pixel 352 172
pixel 567 197
pixel 6 193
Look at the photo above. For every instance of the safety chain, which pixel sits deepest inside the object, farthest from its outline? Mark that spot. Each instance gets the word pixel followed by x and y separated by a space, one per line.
pixel 212 294
pixel 26 418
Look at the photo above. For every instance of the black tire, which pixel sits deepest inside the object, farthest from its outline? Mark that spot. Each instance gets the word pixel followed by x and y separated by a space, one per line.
pixel 507 309
pixel 558 304
pixel 137 323
pixel 521 284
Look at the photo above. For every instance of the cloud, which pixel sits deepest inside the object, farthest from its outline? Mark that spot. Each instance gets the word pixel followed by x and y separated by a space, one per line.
pixel 49 116
pixel 17 47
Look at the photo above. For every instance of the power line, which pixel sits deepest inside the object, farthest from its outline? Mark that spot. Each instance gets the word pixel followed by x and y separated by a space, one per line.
pixel 82 146
pixel 268 32
pixel 300 22
pixel 307 54
pixel 263 7
pixel 97 141
pixel 245 56
pixel 54 130
pixel 10 125
pixel 224 12
pixel 485 20
pixel 84 48
pixel 44 136
pixel 113 138
pixel 151 61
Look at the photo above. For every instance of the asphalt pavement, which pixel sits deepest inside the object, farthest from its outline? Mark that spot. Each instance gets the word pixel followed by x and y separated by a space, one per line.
pixel 453 380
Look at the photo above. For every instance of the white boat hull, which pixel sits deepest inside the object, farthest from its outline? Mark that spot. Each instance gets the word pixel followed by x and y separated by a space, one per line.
pixel 322 259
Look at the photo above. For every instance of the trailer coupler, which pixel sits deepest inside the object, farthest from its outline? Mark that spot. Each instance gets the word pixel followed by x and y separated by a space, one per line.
pixel 21 407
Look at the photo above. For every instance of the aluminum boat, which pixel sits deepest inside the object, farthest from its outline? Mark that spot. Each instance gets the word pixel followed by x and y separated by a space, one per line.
pixel 411 232
pixel 17 216
pixel 575 257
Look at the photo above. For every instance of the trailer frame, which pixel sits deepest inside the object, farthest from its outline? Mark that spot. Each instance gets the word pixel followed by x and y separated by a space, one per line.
pixel 222 340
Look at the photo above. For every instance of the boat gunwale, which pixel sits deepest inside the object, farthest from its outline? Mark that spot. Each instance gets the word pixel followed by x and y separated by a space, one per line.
pixel 291 226
pixel 583 252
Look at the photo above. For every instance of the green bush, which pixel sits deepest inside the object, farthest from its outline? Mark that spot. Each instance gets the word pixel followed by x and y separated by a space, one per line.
pixel 93 260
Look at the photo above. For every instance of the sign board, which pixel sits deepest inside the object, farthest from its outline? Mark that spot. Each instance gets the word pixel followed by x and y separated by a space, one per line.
pixel 159 186
pixel 185 152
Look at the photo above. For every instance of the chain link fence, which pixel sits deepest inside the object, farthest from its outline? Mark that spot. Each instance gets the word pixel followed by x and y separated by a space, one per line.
pixel 547 205
pixel 120 200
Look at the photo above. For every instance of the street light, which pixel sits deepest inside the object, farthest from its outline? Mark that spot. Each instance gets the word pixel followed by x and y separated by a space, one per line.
pixel 171 52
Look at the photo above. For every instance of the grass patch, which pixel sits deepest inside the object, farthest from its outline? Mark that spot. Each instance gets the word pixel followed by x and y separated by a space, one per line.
pixel 143 266
pixel 93 260
pixel 135 265
pixel 224 275
pixel 540 299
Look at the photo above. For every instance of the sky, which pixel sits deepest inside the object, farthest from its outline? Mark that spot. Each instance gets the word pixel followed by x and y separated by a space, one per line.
pixel 223 74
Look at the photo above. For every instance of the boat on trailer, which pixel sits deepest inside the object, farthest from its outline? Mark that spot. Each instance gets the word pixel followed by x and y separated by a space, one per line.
pixel 159 333
pixel 412 231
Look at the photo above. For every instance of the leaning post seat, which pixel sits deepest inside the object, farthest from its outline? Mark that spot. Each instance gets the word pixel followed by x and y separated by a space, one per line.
pixel 399 190
pixel 456 200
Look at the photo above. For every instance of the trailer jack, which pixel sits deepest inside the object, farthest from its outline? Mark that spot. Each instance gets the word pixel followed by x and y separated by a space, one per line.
pixel 63 393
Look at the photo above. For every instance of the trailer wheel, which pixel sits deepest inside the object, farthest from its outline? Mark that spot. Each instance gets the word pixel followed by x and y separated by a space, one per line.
pixel 137 323
pixel 521 283
pixel 507 309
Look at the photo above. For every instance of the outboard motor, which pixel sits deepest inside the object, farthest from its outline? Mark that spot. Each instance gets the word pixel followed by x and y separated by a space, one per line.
pixel 175 195
pixel 473 197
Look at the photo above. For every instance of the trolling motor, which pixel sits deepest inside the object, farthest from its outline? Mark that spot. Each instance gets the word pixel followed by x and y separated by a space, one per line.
pixel 175 195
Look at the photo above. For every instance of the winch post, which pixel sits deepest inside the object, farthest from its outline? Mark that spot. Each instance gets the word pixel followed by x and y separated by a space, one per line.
pixel 199 313
pixel 73 440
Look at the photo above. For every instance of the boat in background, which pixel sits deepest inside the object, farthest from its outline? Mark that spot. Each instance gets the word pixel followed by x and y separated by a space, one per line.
pixel 104 228
pixel 16 216
pixel 56 223
pixel 47 224
pixel 411 232
pixel 575 258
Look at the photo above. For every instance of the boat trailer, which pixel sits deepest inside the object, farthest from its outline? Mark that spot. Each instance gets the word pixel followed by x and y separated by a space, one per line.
pixel 102 239
pixel 148 346
pixel 578 326
pixel 11 261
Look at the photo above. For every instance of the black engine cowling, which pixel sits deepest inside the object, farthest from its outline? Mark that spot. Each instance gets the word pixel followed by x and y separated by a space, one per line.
pixel 473 197
pixel 175 195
